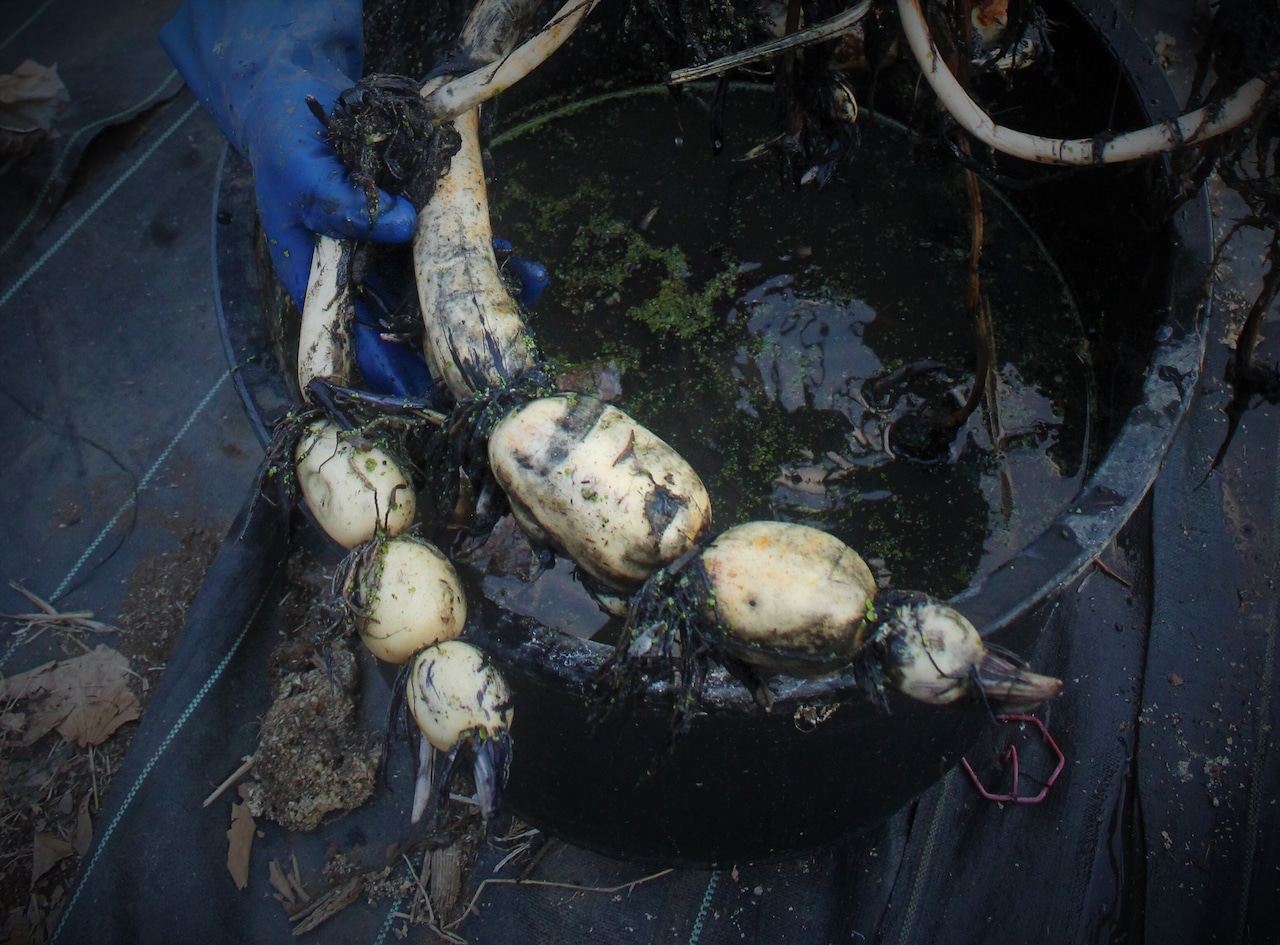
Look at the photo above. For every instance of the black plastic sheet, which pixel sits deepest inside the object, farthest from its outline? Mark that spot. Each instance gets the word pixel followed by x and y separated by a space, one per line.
pixel 1160 829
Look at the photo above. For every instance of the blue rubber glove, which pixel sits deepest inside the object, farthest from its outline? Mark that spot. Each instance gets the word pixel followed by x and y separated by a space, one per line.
pixel 530 277
pixel 388 367
pixel 252 64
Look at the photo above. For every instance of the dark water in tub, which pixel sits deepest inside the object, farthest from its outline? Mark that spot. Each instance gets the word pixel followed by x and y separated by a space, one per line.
pixel 771 333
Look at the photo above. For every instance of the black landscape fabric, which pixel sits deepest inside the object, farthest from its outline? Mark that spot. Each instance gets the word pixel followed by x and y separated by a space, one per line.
pixel 1161 827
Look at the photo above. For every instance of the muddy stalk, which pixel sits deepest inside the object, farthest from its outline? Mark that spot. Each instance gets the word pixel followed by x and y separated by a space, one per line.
pixel 786 82
pixel 487 44
pixel 476 339
pixel 324 346
pixel 979 309
pixel 488 38
pixel 1265 377
pixel 928 434
pixel 793 40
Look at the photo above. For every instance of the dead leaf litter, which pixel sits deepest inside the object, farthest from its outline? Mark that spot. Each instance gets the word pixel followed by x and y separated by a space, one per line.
pixel 64 731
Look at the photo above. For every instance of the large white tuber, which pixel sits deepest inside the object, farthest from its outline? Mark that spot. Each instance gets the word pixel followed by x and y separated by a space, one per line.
pixel 592 483
pixel 787 598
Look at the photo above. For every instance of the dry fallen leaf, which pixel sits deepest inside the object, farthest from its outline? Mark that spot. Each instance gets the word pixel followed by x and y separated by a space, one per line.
pixel 239 844
pixel 85 698
pixel 31 99
pixel 12 723
pixel 47 850
pixel 281 884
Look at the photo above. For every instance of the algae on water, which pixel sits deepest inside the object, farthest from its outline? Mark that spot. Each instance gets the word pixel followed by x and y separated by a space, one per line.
pixel 609 257
pixel 757 328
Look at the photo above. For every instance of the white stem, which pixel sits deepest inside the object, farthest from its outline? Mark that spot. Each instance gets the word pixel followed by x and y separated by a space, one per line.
pixel 491 29
pixel 814 34
pixel 1193 127
pixel 463 94
pixel 323 344
pixel 422 780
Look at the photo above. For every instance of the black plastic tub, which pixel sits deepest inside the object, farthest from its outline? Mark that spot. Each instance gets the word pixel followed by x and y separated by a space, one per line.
pixel 745 785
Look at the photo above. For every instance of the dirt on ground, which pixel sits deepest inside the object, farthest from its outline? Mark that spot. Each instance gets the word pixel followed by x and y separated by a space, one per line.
pixel 61 741
pixel 315 757
pixel 155 608
pixel 65 727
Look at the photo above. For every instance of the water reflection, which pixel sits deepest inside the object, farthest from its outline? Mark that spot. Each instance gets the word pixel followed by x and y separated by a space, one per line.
pixel 773 337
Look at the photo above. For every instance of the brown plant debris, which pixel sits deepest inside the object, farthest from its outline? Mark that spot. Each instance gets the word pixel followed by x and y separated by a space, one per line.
pixel 48 616
pixel 31 99
pixel 314 756
pixel 159 594
pixel 85 698
pixel 240 841
pixel 49 796
pixel 328 904
pixel 445 872
pixel 46 850
pixel 288 886
pixel 50 791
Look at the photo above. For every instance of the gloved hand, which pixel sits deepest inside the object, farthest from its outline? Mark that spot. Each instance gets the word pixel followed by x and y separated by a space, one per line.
pixel 252 63
pixel 391 368
pixel 530 278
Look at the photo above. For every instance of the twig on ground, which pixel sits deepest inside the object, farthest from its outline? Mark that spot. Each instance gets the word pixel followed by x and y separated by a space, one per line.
pixel 49 616
pixel 235 776
pixel 1110 572
pixel 554 885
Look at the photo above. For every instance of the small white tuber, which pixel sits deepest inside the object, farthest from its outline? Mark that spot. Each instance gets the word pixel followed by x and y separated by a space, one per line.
pixel 459 700
pixel 407 596
pixel 353 489
pixel 930 651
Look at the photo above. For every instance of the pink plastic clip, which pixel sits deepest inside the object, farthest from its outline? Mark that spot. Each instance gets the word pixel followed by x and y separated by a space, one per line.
pixel 1011 756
